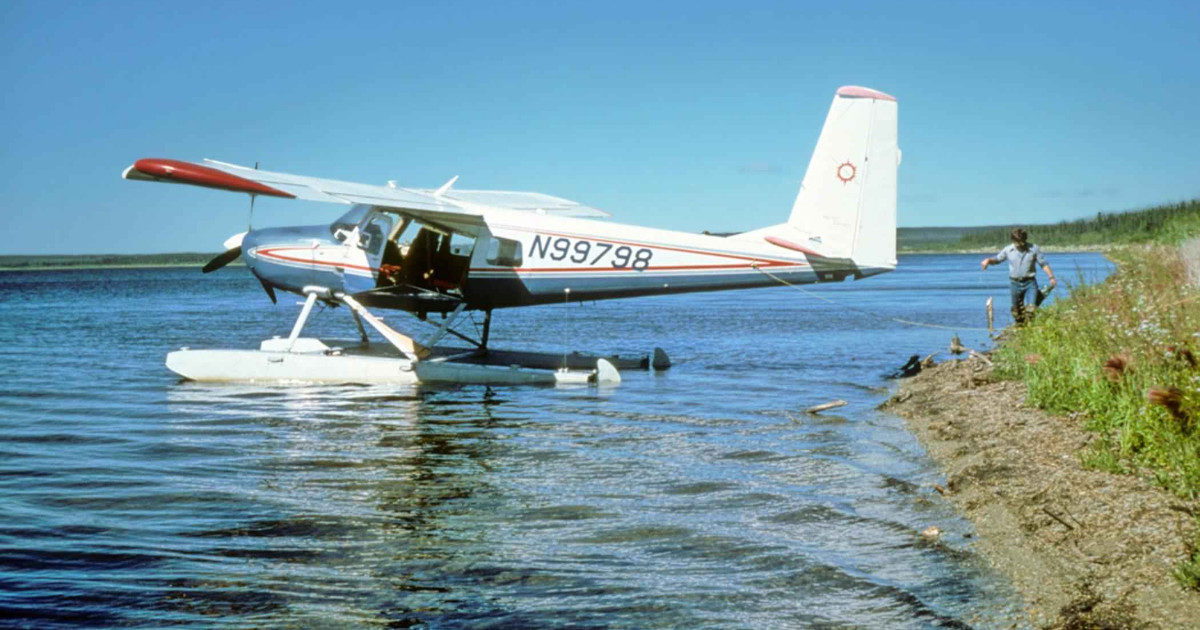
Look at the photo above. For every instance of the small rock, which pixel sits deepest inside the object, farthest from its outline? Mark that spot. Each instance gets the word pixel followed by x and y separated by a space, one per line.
pixel 933 531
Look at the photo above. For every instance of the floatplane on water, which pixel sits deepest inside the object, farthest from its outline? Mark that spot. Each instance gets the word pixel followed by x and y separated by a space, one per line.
pixel 451 252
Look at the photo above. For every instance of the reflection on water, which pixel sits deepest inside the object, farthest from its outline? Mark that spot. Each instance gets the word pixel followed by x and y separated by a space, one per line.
pixel 696 497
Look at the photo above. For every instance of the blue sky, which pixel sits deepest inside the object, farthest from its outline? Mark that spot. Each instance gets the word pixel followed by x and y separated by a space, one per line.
pixel 685 115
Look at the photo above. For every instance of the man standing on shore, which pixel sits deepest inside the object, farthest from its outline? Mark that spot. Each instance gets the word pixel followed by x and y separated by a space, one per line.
pixel 1023 260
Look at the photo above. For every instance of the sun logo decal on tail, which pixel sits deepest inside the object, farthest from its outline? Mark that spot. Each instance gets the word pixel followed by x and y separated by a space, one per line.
pixel 846 172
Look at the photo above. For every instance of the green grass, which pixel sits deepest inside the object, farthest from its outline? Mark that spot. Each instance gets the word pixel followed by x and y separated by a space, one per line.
pixel 1147 317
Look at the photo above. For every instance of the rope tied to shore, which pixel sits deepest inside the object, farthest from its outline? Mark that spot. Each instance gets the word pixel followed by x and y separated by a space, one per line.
pixel 907 322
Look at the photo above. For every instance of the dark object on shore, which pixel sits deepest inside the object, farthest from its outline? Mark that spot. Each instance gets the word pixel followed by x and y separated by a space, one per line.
pixel 833 404
pixel 912 368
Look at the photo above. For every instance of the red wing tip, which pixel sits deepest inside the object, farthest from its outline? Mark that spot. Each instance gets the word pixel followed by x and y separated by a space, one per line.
pixel 199 175
pixel 854 91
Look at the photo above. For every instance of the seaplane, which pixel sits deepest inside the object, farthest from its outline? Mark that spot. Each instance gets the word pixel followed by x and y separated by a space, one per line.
pixel 460 253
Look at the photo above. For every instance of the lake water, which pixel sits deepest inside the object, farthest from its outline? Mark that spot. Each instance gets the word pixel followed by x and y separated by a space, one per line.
pixel 698 497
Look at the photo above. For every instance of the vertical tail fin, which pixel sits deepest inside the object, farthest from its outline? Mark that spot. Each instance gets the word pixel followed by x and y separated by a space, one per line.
pixel 846 207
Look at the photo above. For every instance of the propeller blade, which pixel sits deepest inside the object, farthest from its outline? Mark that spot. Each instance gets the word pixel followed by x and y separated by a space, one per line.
pixel 269 290
pixel 222 259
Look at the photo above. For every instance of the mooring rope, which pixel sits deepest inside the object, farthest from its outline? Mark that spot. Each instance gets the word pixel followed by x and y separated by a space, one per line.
pixel 898 320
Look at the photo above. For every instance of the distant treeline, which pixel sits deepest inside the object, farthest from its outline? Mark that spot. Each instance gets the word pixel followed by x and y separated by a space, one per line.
pixel 1168 224
pixel 103 260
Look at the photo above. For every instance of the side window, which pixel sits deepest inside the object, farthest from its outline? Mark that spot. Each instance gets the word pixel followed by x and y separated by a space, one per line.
pixel 374 234
pixel 504 252
pixel 350 220
pixel 461 244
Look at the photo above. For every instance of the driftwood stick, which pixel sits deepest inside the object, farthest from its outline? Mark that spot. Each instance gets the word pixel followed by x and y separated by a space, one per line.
pixel 833 404
pixel 1057 518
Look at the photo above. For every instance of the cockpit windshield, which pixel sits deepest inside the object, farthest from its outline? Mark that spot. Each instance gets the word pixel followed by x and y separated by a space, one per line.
pixel 350 220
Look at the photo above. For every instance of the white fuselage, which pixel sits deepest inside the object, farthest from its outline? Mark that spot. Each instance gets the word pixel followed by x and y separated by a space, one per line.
pixel 558 259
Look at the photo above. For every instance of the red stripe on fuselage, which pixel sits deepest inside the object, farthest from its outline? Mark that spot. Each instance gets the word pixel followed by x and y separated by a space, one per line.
pixel 762 262
pixel 660 268
pixel 270 253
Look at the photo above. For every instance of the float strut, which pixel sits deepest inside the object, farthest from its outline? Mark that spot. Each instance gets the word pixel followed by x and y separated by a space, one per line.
pixel 445 326
pixel 304 312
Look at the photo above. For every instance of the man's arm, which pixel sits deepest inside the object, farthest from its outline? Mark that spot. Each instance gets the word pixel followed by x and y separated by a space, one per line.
pixel 994 260
pixel 1049 274
pixel 1041 260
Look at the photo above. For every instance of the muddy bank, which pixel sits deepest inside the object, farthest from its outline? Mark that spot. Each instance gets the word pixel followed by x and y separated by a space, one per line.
pixel 1087 549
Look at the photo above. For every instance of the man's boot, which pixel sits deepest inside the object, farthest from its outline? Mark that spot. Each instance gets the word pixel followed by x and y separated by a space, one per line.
pixel 1018 315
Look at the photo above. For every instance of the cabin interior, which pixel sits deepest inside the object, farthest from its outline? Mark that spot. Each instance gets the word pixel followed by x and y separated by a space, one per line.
pixel 410 252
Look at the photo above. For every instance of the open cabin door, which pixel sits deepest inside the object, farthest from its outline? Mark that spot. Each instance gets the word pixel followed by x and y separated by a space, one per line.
pixel 426 257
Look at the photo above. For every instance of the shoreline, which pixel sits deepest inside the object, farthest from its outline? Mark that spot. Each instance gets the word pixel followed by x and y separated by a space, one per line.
pixel 1084 547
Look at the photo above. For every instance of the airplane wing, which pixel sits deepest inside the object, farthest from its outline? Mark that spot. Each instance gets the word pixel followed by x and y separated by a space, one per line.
pixel 224 176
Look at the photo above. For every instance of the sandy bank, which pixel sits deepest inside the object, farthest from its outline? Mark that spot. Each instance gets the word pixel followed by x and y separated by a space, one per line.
pixel 1082 546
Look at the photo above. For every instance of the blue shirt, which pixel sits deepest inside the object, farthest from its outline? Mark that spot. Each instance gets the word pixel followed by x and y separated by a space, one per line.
pixel 1022 265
